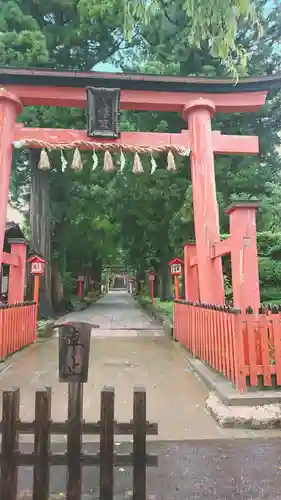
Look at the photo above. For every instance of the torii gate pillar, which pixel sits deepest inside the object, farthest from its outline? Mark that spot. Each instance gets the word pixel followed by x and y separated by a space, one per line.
pixel 244 255
pixel 190 273
pixel 10 108
pixel 17 274
pixel 206 218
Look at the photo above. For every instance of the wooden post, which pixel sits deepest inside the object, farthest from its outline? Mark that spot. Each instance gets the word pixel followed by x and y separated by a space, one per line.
pixel 139 444
pixel 10 107
pixel 206 218
pixel 190 273
pixel 80 291
pixel 152 291
pixel 244 255
pixel 74 440
pixel 74 348
pixel 107 444
pixel 177 287
pixel 9 471
pixel 37 268
pixel 36 292
pixel 42 440
pixel 17 273
pixel 151 277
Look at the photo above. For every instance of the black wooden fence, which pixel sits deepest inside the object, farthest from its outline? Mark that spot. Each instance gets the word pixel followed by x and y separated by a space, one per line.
pixel 74 459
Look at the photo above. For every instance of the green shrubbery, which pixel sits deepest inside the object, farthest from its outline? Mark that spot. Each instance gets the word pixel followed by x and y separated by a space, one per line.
pixel 270 279
pixel 266 240
pixel 269 269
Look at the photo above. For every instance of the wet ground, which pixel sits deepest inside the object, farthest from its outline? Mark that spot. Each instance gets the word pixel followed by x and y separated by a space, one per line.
pixel 207 469
pixel 128 349
pixel 197 458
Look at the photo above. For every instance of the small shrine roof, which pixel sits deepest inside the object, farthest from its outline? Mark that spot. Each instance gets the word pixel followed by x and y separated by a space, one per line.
pixel 13 230
pixel 176 260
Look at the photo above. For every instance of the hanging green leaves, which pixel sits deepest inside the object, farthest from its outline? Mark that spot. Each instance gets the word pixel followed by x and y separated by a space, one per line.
pixel 213 21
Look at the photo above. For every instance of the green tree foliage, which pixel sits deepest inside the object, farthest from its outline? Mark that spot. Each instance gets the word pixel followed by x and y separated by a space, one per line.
pixel 22 43
pixel 54 34
pixel 96 217
pixel 236 177
pixel 200 23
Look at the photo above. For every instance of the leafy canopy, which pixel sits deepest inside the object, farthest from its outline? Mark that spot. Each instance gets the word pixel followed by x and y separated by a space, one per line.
pixel 214 22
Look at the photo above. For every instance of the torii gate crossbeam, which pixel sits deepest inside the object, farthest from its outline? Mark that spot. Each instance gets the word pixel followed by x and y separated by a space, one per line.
pixel 221 144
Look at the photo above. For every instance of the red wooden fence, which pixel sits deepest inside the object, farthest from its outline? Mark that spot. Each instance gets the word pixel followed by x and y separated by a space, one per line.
pixel 17 327
pixel 246 349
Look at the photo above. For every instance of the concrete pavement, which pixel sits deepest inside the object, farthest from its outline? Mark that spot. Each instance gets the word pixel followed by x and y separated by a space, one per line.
pixel 117 315
pixel 127 349
pixel 243 469
pixel 197 458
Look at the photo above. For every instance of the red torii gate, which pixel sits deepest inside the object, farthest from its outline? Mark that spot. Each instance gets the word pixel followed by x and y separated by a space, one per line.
pixel 197 100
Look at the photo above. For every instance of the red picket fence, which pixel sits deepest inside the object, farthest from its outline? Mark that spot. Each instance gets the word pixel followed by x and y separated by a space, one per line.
pixel 244 348
pixel 17 327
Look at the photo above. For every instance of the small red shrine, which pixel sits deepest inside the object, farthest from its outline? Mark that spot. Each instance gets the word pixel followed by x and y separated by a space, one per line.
pixel 176 266
pixel 37 265
pixel 197 99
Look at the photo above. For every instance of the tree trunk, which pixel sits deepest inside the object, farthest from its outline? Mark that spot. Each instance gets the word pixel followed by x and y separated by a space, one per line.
pixel 57 288
pixel 40 229
pixel 96 273
pixel 139 278
pixel 182 288
pixel 165 284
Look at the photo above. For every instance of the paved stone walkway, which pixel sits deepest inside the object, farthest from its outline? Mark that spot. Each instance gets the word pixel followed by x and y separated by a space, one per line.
pixel 117 314
pixel 127 349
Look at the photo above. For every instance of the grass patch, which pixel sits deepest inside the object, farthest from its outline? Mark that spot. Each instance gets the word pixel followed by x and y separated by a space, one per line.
pixel 161 307
pixel 143 300
pixel 44 328
pixel 165 307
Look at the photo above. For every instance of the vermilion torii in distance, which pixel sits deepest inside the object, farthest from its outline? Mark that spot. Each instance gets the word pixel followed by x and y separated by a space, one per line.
pixel 197 99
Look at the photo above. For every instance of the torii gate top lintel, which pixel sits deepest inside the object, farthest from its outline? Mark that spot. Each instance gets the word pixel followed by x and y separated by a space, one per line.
pixel 139 92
